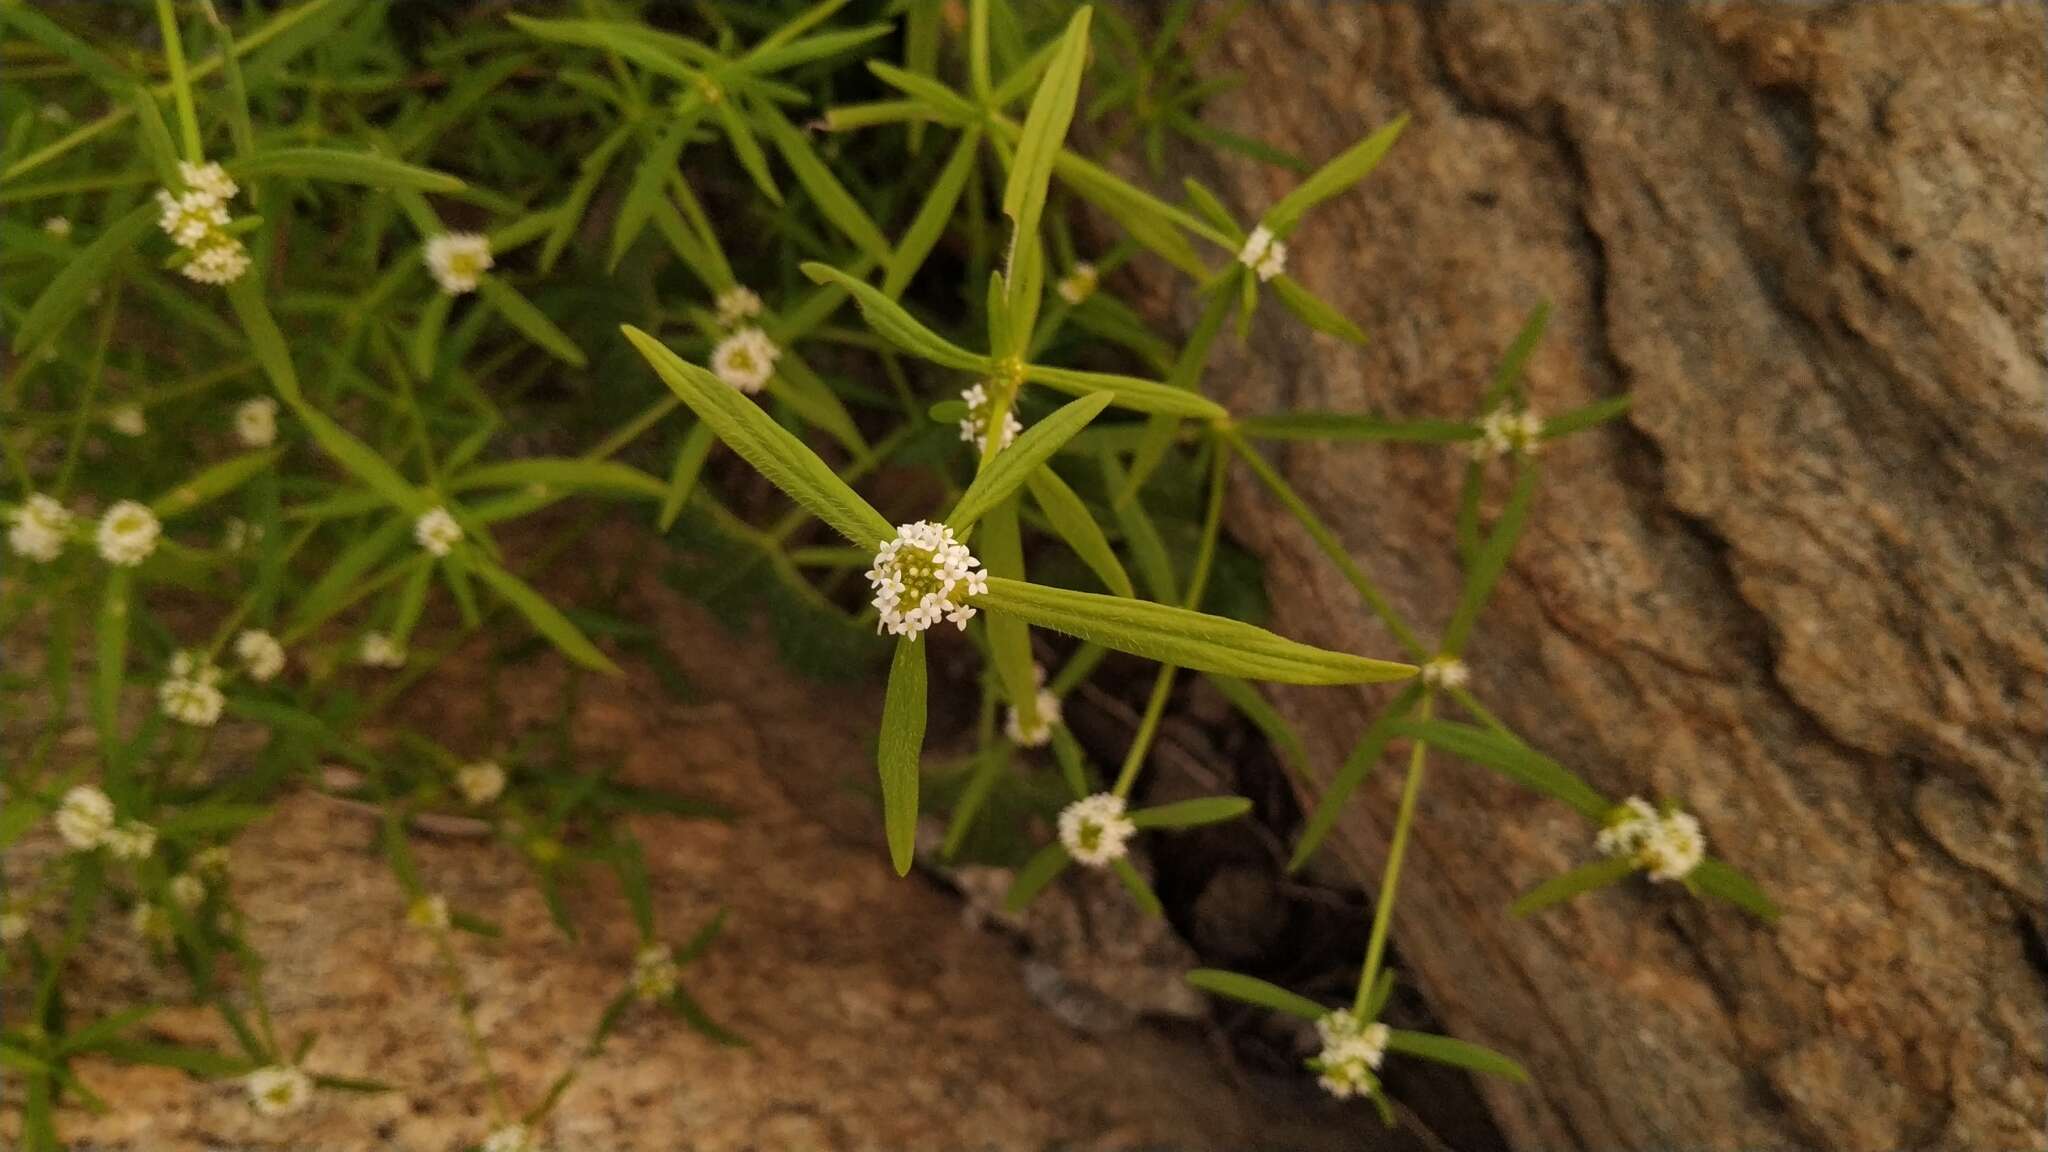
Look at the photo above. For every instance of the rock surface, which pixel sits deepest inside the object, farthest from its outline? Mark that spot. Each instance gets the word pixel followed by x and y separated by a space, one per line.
pixel 1799 588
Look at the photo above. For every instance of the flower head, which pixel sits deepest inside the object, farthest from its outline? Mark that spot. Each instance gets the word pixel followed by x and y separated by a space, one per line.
pixel 1263 253
pixel 13 927
pixel 238 534
pixel 974 425
pixel 922 576
pixel 737 303
pixel 1669 844
pixel 1445 672
pixel 256 422
pixel 187 891
pixel 190 217
pixel 429 912
pixel 510 1138
pixel 128 420
pixel 278 1090
pixel 57 226
pixel 153 924
pixel 379 650
pixel 1077 285
pixel 436 531
pixel 1352 1050
pixel 745 360
pixel 207 179
pixel 131 840
pixel 1095 831
pixel 654 972
pixel 191 693
pixel 1504 430
pixel 84 817
pixel 38 528
pixel 261 655
pixel 458 260
pixel 221 261
pixel 1045 715
pixel 128 533
pixel 480 783
pixel 211 863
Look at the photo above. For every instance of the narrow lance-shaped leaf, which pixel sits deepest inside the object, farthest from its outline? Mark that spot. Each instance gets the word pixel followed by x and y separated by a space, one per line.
pixel 545 617
pixel 768 446
pixel 68 290
pixel 343 167
pixel 1070 518
pixel 1364 757
pixel 216 481
pixel 1140 888
pixel 1251 990
pixel 900 750
pixel 601 476
pixel 1045 129
pixel 1013 465
pixel 1315 312
pixel 682 479
pixel 1598 412
pixel 1509 373
pixel 1511 758
pixel 1723 882
pixel 830 196
pixel 530 320
pixel 1491 560
pixel 1348 168
pixel 1192 813
pixel 1036 873
pixel 1129 391
pixel 895 325
pixel 1456 1053
pixel 1584 878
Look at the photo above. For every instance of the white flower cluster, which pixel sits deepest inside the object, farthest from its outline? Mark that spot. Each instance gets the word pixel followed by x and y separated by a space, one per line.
pixel 1504 430
pixel 1352 1050
pixel 58 226
pixel 379 650
pixel 1095 831
pixel 746 359
pixel 1263 253
pixel 1046 714
pixel 84 817
pixel 128 533
pixel 152 924
pixel 1079 284
pixel 191 693
pixel 130 840
pixel 428 912
pixel 922 576
pixel 480 783
pixel 458 260
pixel 13 928
pixel 187 891
pixel 1445 672
pixel 38 527
pixel 436 531
pixel 737 303
pixel 974 425
pixel 198 221
pixel 1669 844
pixel 261 654
pixel 510 1138
pixel 256 422
pixel 278 1090
pixel 654 973
pixel 128 420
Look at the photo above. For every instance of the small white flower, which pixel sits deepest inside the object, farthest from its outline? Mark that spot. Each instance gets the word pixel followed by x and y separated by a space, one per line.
pixel 187 891
pixel 38 528
pixel 212 863
pixel 261 655
pixel 153 924
pixel 238 534
pixel 84 817
pixel 127 534
pixel 1446 672
pixel 922 576
pixel 256 422
pixel 132 840
pixel 54 113
pixel 510 1138
pixel 1352 1050
pixel 278 1090
pixel 436 531
pixel 974 425
pixel 209 178
pixel 1263 253
pixel 127 419
pixel 1504 430
pixel 57 226
pixel 745 360
pixel 480 783
pixel 1669 844
pixel 429 912
pixel 654 973
pixel 737 303
pixel 191 693
pixel 191 218
pixel 13 927
pixel 1046 709
pixel 1095 831
pixel 378 650
pixel 1077 285
pixel 222 260
pixel 458 260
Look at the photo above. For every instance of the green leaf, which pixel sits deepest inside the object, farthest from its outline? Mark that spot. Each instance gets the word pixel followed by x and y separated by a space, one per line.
pixel 1036 873
pixel 1511 758
pixel 931 220
pixel 545 617
pixel 211 483
pixel 1129 392
pixel 1192 813
pixel 199 1062
pixel 682 479
pixel 1012 466
pixel 1267 719
pixel 1491 560
pixel 1347 169
pixel 425 345
pixel 829 196
pixel 1071 519
pixel 1456 1053
pixel 342 167
pixel 1252 990
pixel 644 196
pixel 775 58
pixel 359 458
pixel 769 447
pixel 1364 757
pixel 897 326
pixel 1722 882
pixel 1517 356
pixel 659 52
pixel 522 314
pixel 901 749
pixel 1585 878
pixel 747 148
pixel 1598 412
pixel 1045 129
pixel 947 104
pixel 68 289
pixel 95 64
pixel 111 652
pixel 1353 426
pixel 1182 637
pixel 1314 311
pixel 1140 889
pixel 597 476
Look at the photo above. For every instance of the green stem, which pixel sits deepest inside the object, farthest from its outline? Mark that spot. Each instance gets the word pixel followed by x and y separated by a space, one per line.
pixel 181 81
pixel 1383 908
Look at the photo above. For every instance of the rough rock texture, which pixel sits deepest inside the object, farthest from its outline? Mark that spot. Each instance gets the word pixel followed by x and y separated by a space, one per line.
pixel 1800 588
